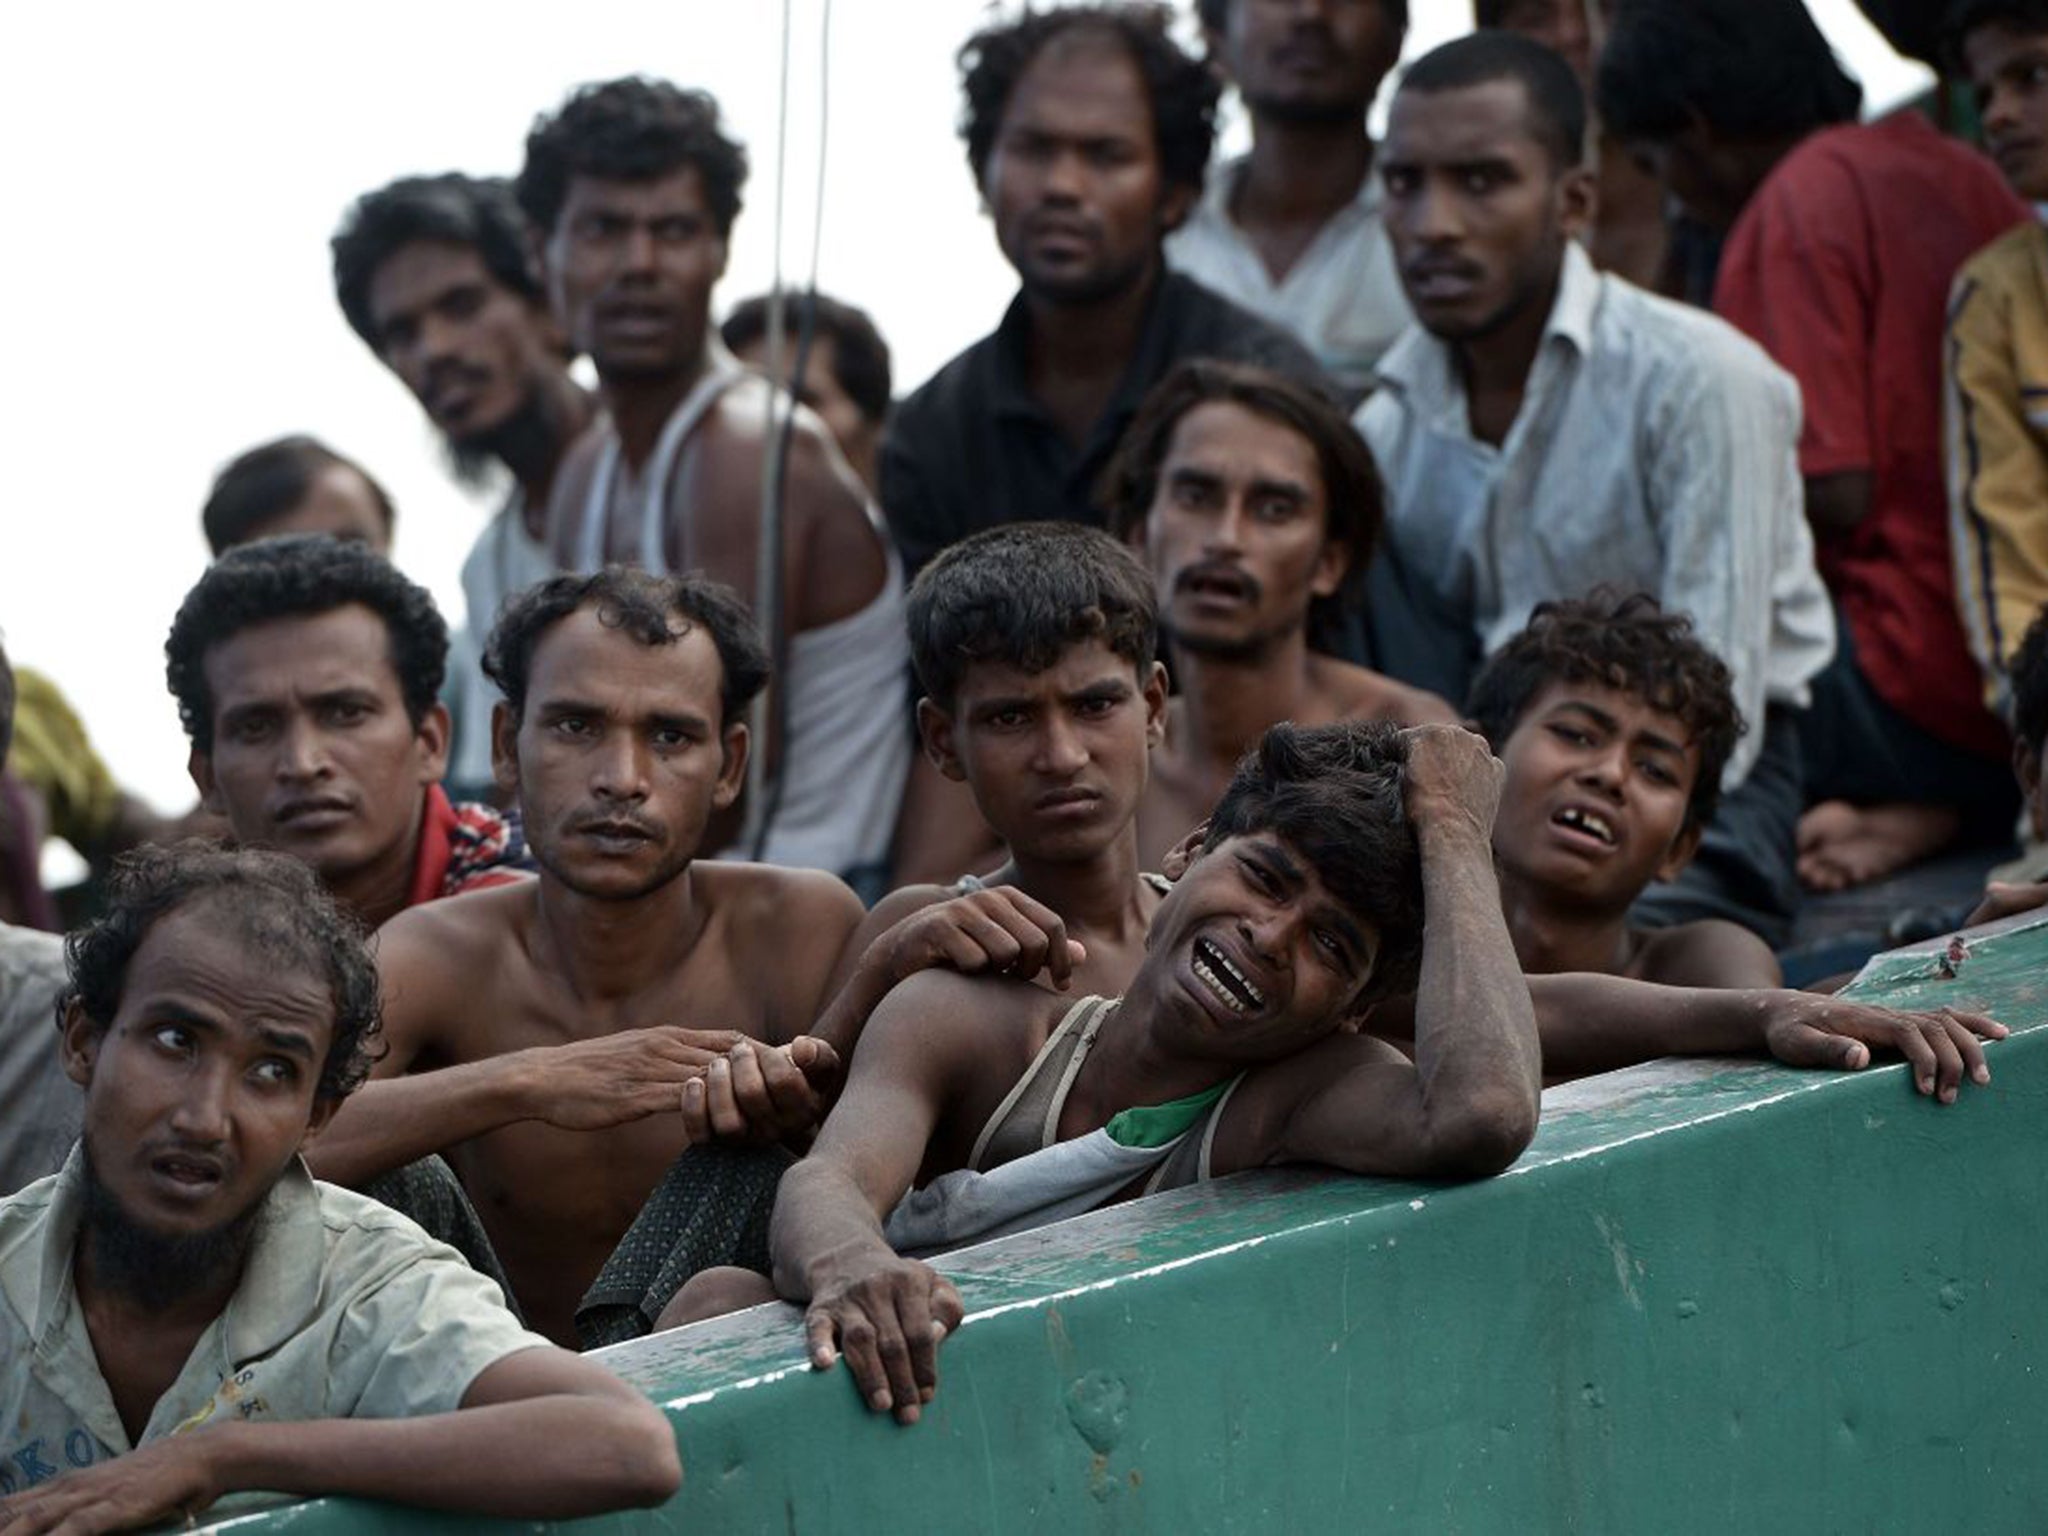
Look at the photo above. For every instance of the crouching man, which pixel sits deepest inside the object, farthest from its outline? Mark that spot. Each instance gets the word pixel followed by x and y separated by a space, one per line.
pixel 185 1313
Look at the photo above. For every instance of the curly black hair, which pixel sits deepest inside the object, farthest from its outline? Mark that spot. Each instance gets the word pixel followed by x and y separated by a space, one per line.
pixel 860 357
pixel 259 486
pixel 478 212
pixel 1183 91
pixel 634 129
pixel 1628 643
pixel 655 610
pixel 1215 14
pixel 1351 486
pixel 1966 16
pixel 278 908
pixel 1746 68
pixel 1019 595
pixel 1337 794
pixel 296 576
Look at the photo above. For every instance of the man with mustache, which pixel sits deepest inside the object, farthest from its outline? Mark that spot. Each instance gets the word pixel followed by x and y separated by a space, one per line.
pixel 1257 508
pixel 1087 130
pixel 563 1042
pixel 434 274
pixel 631 190
pixel 307 673
pixel 1544 429
pixel 1293 230
pixel 184 1313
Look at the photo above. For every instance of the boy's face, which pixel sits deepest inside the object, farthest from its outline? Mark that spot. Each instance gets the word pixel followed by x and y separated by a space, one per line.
pixel 1056 759
pixel 1593 805
pixel 2009 75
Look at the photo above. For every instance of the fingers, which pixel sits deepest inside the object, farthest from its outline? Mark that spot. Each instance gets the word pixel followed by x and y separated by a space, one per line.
pixel 1948 1058
pixel 1969 1049
pixel 821 1338
pixel 1919 1054
pixel 888 1328
pixel 792 1102
pixel 748 1082
pixel 696 1110
pixel 815 1058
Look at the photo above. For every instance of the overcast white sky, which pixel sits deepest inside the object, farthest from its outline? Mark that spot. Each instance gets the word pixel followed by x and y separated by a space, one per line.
pixel 175 172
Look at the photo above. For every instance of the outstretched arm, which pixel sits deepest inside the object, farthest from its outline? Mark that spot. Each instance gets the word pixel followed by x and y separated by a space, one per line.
pixel 541 1435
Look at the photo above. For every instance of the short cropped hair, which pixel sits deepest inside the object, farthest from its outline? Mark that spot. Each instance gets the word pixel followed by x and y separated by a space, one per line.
pixel 478 213
pixel 299 576
pixel 2027 673
pixel 264 483
pixel 1556 100
pixel 1966 16
pixel 1630 644
pixel 1181 89
pixel 654 610
pixel 1351 486
pixel 1214 15
pixel 633 129
pixel 6 706
pixel 1748 68
pixel 1337 794
pixel 860 357
pixel 279 909
pixel 1019 595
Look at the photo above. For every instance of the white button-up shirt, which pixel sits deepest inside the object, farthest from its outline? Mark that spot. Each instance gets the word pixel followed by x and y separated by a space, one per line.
pixel 1342 297
pixel 1655 450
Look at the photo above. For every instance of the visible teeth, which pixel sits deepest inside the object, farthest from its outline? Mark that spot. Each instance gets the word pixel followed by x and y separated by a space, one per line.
pixel 1208 961
pixel 1215 984
pixel 1587 821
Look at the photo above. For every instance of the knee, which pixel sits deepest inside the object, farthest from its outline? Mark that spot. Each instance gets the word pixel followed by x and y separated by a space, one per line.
pixel 713 1293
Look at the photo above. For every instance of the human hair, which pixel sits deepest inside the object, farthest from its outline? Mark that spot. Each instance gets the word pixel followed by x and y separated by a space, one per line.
pixel 301 575
pixel 860 357
pixel 1337 794
pixel 476 212
pixel 2027 673
pixel 1629 643
pixel 1487 14
pixel 633 129
pixel 1965 16
pixel 278 908
pixel 1181 89
pixel 654 610
pixel 1556 101
pixel 1750 69
pixel 6 706
pixel 1214 15
pixel 264 483
pixel 1019 595
pixel 1351 486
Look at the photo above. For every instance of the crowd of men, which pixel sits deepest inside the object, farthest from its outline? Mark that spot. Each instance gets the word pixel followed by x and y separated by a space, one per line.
pixel 1376 627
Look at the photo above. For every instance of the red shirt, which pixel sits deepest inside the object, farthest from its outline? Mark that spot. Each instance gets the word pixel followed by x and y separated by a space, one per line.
pixel 465 847
pixel 1840 268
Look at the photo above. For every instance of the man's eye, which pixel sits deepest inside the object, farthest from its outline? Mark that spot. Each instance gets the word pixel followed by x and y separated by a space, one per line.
pixel 462 303
pixel 1273 509
pixel 1571 734
pixel 572 726
pixel 1399 183
pixel 670 739
pixel 1008 719
pixel 276 1071
pixel 1480 181
pixel 348 714
pixel 172 1037
pixel 1094 709
pixel 1656 773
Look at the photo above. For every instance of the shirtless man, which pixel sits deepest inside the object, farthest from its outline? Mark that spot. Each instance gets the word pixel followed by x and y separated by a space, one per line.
pixel 1034 645
pixel 563 1041
pixel 631 190
pixel 1345 864
pixel 1614 725
pixel 1257 507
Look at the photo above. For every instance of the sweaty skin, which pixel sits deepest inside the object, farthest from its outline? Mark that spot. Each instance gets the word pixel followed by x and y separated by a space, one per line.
pixel 560 1104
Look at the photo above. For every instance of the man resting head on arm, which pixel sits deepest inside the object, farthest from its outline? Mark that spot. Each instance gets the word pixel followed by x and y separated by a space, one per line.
pixel 185 1313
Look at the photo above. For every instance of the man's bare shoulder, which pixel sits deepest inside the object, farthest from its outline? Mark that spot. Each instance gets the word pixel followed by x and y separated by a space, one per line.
pixel 1711 952
pixel 779 906
pixel 1352 692
pixel 946 1005
pixel 463 927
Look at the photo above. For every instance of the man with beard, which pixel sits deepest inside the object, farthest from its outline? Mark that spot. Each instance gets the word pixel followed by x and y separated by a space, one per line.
pixel 1293 230
pixel 1257 508
pixel 433 273
pixel 1545 429
pixel 185 1314
pixel 630 191
pixel 562 1042
pixel 1087 130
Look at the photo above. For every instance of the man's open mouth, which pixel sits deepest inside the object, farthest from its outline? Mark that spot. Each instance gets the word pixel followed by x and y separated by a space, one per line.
pixel 1231 986
pixel 1579 818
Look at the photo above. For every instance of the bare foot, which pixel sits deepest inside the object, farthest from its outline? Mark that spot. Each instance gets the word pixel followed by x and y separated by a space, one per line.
pixel 1843 845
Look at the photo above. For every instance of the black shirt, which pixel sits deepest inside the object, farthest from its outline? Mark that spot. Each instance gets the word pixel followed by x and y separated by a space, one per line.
pixel 973 448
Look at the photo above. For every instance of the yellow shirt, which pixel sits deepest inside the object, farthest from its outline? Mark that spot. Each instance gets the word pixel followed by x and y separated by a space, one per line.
pixel 1995 372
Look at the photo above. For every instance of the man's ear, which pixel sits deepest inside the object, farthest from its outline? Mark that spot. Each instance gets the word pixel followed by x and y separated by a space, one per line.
pixel 1175 204
pixel 1331 564
pixel 1680 853
pixel 505 749
pixel 935 730
pixel 434 730
pixel 1155 704
pixel 80 1044
pixel 1184 853
pixel 200 765
pixel 1578 200
pixel 732 768
pixel 323 1112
